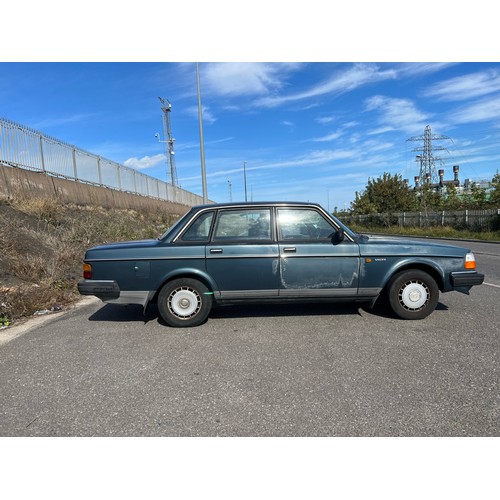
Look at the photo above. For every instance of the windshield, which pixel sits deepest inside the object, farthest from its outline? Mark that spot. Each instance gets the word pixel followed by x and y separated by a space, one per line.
pixel 347 230
pixel 173 229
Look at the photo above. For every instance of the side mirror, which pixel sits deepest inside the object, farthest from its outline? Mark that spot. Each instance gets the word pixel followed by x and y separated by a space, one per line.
pixel 338 236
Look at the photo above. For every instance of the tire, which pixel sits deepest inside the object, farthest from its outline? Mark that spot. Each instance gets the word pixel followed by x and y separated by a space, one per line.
pixel 413 294
pixel 184 302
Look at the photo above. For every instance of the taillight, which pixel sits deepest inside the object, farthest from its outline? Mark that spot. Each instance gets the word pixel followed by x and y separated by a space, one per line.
pixel 470 261
pixel 87 271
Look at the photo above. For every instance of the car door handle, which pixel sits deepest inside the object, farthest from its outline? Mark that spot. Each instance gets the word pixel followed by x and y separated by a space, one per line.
pixel 216 250
pixel 289 249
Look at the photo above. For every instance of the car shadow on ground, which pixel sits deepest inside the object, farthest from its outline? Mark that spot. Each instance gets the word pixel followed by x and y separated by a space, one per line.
pixel 135 314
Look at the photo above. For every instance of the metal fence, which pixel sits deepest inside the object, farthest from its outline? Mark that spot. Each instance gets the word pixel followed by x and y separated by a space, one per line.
pixel 481 220
pixel 23 147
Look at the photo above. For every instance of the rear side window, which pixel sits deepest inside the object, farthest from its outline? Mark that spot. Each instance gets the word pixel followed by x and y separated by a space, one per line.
pixel 243 225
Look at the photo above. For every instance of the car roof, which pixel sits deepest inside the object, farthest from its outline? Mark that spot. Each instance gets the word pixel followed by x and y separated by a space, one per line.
pixel 250 204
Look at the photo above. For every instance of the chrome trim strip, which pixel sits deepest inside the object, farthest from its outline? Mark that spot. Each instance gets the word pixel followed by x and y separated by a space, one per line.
pixel 248 294
pixel 370 292
pixel 318 292
pixel 185 257
pixel 243 256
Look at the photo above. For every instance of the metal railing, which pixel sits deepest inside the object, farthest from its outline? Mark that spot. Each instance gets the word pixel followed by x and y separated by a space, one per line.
pixel 23 147
pixel 482 220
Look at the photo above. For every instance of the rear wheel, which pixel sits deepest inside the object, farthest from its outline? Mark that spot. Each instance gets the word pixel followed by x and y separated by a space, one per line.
pixel 413 294
pixel 184 302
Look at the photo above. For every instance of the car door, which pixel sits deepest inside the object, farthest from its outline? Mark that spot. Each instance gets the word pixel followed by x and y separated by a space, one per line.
pixel 311 263
pixel 242 256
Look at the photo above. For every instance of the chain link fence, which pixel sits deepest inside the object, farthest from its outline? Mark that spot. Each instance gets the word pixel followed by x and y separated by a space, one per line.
pixel 23 147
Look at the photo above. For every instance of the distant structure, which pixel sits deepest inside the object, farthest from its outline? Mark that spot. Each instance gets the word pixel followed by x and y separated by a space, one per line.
pixel 427 160
pixel 169 143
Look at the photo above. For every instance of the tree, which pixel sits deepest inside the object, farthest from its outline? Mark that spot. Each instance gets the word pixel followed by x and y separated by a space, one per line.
pixel 495 192
pixel 385 195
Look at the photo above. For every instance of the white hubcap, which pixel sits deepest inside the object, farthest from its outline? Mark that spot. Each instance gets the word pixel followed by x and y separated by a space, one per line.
pixel 413 295
pixel 184 302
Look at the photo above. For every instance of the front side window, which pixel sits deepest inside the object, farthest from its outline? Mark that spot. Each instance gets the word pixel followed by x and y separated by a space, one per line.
pixel 303 224
pixel 245 225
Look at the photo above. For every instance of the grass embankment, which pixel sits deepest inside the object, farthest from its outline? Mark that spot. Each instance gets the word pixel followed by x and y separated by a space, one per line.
pixel 42 244
pixel 430 232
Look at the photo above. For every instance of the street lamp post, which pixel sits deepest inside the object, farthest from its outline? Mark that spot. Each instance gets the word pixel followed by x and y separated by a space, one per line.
pixel 202 146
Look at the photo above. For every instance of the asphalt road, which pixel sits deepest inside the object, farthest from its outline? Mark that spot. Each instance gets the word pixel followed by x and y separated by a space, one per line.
pixel 283 370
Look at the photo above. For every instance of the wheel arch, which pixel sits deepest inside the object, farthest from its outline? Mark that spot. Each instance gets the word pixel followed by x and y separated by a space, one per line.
pixel 430 269
pixel 185 273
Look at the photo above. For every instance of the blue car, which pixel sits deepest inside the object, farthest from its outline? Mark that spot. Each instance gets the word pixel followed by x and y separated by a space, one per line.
pixel 242 252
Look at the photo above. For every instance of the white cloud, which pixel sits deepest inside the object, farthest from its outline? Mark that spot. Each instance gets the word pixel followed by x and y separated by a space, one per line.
pixel 144 162
pixel 466 86
pixel 341 82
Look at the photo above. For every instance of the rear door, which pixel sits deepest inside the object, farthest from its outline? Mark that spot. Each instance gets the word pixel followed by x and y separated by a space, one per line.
pixel 242 256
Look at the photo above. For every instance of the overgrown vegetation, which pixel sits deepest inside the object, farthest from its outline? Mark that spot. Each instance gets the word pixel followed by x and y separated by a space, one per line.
pixel 42 244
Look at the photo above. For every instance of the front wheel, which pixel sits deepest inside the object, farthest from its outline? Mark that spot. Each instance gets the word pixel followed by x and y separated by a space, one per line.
pixel 184 302
pixel 413 294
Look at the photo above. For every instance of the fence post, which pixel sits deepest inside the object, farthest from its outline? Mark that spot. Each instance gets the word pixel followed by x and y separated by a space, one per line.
pixel 119 178
pixel 41 152
pixel 467 218
pixel 73 154
pixel 99 169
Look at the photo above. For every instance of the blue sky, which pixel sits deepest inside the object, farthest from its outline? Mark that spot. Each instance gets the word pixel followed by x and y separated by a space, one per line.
pixel 308 131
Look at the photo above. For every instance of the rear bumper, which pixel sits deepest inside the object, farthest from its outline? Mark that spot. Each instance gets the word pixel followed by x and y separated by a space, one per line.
pixel 103 289
pixel 466 279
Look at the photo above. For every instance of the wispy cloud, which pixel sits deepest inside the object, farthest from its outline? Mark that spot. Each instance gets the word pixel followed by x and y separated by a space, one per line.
pixel 329 137
pixel 341 82
pixel 422 68
pixel 62 120
pixel 239 79
pixel 397 114
pixel 208 116
pixel 484 110
pixel 466 87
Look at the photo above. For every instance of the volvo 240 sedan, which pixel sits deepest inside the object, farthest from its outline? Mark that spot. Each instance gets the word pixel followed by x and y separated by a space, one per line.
pixel 272 252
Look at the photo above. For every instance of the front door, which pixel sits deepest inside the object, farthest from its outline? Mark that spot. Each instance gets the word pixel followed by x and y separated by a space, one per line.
pixel 311 265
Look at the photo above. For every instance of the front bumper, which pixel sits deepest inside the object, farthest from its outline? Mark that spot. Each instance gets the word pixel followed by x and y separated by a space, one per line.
pixel 103 289
pixel 465 280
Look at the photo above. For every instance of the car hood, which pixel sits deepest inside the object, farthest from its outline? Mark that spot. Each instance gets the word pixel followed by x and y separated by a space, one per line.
pixel 387 245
